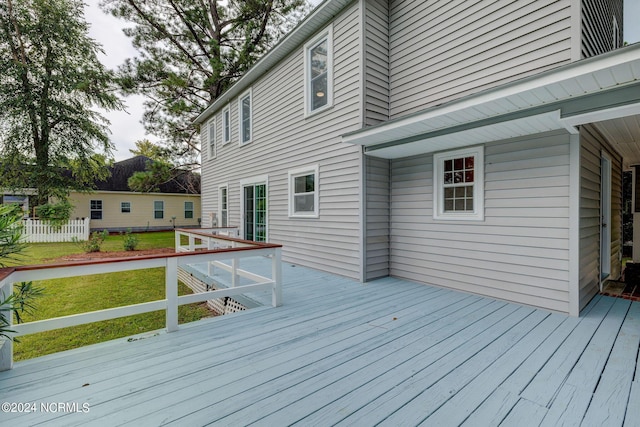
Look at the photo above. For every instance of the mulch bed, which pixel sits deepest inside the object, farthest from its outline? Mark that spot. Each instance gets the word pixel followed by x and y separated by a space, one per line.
pixel 111 254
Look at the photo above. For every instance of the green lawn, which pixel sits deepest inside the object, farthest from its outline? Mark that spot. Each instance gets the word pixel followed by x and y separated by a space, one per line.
pixel 96 292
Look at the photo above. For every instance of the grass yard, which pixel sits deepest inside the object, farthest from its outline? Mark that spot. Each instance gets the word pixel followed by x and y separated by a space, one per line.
pixel 96 292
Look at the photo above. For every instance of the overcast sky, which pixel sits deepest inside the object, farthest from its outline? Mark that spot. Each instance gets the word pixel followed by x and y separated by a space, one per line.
pixel 126 127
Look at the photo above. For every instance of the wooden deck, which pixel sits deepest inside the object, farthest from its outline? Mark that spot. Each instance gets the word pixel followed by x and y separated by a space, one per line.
pixel 389 352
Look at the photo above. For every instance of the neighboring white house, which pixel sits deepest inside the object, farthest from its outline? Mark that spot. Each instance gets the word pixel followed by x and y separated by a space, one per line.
pixel 472 145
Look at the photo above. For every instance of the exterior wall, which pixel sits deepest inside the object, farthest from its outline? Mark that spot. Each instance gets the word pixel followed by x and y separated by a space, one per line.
pixel 597 26
pixel 520 252
pixel 377 217
pixel 430 45
pixel 376 56
pixel 141 216
pixel 592 145
pixel 284 139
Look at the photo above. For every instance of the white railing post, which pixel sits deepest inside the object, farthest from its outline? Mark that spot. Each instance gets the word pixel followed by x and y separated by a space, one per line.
pixel 192 243
pixel 6 345
pixel 234 271
pixel 177 235
pixel 171 289
pixel 276 275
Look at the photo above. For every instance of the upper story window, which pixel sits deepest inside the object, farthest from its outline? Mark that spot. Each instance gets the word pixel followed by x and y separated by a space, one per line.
pixel 245 118
pixel 303 192
pixel 211 138
pixel 226 125
pixel 458 190
pixel 96 209
pixel 318 66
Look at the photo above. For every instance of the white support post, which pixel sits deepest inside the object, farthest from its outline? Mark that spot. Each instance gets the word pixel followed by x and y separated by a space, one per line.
pixel 192 243
pixel 6 345
pixel 276 275
pixel 171 289
pixel 177 236
pixel 234 271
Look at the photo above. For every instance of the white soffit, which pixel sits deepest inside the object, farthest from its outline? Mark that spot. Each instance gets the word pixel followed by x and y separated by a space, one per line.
pixel 590 76
pixel 494 132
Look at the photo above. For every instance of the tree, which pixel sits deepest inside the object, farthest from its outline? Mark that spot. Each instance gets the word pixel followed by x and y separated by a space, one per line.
pixel 51 78
pixel 191 51
pixel 146 148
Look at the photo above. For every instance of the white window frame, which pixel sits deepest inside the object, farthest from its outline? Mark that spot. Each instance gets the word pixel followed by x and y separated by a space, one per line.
pixel 255 180
pixel 226 125
pixel 311 170
pixel 211 138
pixel 192 210
pixel 92 209
pixel 478 185
pixel 246 94
pixel 122 207
pixel 326 34
pixel 158 210
pixel 220 210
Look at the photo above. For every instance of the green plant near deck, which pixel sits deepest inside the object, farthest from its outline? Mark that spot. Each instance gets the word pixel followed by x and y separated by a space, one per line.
pixel 20 301
pixel 129 240
pixel 94 243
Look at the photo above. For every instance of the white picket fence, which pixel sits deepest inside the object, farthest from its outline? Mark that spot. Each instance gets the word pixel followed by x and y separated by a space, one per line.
pixel 38 231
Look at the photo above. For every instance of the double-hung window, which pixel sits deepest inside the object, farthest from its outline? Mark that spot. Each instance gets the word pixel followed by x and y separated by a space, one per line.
pixel 158 209
pixel 211 138
pixel 303 192
pixel 188 210
pixel 96 209
pixel 245 119
pixel 125 207
pixel 226 125
pixel 458 191
pixel 318 64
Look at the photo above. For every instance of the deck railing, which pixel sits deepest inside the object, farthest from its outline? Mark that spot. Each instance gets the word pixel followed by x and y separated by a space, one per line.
pixel 209 238
pixel 227 258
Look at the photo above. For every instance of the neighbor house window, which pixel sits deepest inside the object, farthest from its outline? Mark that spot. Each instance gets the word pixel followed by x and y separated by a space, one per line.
pixel 226 125
pixel 318 73
pixel 96 209
pixel 211 138
pixel 223 203
pixel 244 109
pixel 303 192
pixel 188 210
pixel 125 207
pixel 458 191
pixel 158 209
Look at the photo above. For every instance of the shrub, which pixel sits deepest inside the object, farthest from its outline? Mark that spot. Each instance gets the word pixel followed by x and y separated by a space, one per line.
pixel 57 214
pixel 94 243
pixel 130 241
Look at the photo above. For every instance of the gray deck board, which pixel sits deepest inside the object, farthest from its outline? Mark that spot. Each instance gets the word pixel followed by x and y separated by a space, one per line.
pixel 340 352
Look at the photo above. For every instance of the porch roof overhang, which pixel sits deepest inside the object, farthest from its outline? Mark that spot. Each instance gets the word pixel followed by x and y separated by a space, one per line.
pixel 606 87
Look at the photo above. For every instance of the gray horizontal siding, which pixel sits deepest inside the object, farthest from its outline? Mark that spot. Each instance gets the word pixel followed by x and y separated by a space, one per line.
pixel 377 217
pixel 430 44
pixel 592 145
pixel 283 139
pixel 520 252
pixel 376 106
pixel 597 26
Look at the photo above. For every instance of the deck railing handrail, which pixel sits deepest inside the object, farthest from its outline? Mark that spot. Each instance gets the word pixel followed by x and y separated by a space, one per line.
pixel 172 301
